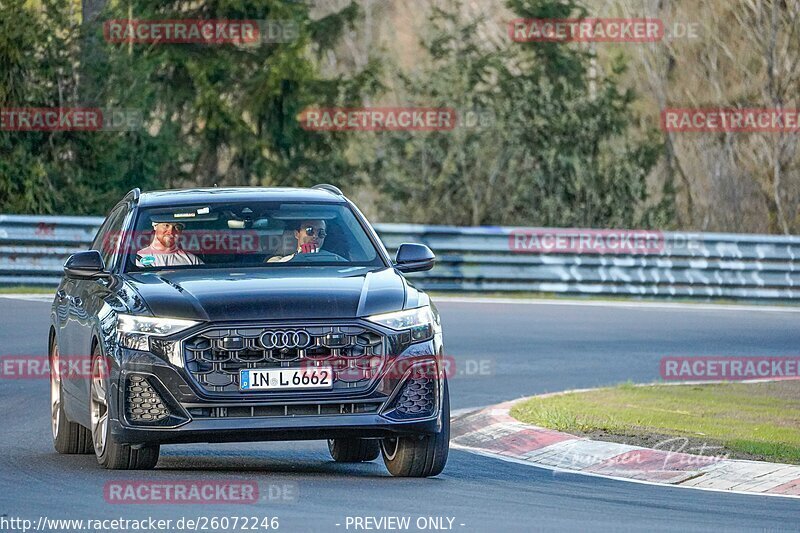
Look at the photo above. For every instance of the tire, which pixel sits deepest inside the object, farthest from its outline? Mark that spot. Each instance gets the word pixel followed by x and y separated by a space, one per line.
pixel 68 437
pixel 110 453
pixel 354 450
pixel 423 455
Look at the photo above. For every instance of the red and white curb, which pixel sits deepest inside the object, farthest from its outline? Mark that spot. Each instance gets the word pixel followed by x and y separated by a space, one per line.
pixel 492 431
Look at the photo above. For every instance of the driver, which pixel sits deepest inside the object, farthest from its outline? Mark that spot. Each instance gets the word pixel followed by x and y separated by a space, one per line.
pixel 165 249
pixel 310 235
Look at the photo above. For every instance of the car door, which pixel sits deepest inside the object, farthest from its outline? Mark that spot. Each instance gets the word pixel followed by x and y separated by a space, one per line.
pixel 61 315
pixel 85 300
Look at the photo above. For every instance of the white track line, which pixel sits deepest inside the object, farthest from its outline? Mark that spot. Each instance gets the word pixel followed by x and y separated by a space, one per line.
pixel 48 298
pixel 608 303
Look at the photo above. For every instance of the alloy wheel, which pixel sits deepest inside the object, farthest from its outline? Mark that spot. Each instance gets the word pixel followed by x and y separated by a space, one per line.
pixel 55 392
pixel 390 445
pixel 99 405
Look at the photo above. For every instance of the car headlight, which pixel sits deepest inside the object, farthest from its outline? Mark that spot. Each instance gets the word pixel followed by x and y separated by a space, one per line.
pixel 419 321
pixel 135 331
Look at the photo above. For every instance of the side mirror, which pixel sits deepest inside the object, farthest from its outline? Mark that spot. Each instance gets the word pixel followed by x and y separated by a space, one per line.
pixel 414 258
pixel 85 265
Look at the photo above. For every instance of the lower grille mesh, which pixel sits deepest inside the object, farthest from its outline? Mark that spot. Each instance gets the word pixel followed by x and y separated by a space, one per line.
pixel 143 402
pixel 418 397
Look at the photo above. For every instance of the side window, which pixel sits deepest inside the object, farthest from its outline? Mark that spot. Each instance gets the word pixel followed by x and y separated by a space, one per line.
pixel 107 239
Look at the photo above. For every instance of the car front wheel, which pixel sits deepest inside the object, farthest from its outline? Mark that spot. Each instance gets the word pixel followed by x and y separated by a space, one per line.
pixel 68 437
pixel 354 450
pixel 112 454
pixel 423 455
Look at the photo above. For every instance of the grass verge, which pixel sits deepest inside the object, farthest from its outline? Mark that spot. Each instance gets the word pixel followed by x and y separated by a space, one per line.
pixel 759 421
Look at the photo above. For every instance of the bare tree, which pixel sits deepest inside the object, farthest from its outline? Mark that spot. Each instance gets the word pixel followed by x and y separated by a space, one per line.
pixel 774 35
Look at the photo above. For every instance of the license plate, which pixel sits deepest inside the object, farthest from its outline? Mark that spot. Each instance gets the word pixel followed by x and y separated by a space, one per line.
pixel 318 377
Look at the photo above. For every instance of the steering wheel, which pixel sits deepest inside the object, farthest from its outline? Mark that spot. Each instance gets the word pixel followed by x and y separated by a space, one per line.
pixel 319 256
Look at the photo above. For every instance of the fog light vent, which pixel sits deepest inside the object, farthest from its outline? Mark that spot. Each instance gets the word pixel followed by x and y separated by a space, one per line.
pixel 143 402
pixel 418 397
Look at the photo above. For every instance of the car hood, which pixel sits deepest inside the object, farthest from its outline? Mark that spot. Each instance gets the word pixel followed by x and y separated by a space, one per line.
pixel 274 293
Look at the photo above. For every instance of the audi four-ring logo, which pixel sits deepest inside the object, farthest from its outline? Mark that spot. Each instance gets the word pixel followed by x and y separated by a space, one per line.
pixel 285 339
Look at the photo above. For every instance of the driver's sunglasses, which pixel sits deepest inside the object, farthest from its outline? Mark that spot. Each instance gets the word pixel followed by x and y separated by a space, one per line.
pixel 310 230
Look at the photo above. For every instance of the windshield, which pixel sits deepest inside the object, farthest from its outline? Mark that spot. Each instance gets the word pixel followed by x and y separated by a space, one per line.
pixel 248 234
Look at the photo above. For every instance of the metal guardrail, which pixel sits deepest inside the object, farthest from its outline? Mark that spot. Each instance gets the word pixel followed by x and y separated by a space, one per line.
pixel 483 259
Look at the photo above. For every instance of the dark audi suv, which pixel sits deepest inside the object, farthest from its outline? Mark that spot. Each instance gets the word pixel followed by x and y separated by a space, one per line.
pixel 247 314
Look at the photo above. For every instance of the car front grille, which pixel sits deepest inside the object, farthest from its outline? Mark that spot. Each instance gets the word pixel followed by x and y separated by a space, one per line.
pixel 215 356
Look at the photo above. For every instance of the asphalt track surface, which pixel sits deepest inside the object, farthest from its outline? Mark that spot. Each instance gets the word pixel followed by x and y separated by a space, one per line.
pixel 530 348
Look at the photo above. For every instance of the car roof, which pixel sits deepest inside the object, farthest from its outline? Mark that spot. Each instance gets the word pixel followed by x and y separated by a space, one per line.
pixel 177 197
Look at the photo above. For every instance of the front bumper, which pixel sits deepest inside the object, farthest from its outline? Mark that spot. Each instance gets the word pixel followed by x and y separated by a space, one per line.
pixel 196 417
pixel 266 429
